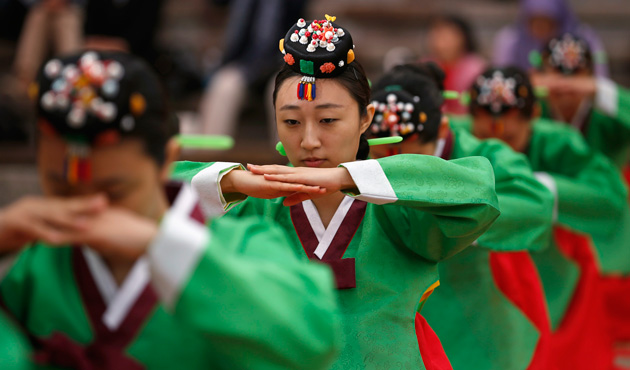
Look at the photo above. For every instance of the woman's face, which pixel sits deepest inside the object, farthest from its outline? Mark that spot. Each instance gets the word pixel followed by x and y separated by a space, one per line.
pixel 446 42
pixel 324 132
pixel 511 127
pixel 123 172
pixel 542 27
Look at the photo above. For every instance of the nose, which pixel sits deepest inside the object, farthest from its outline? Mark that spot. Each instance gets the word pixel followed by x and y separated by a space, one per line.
pixel 310 137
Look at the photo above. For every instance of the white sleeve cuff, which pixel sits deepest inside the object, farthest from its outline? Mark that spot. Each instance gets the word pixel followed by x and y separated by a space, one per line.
pixel 174 255
pixel 546 179
pixel 207 183
pixel 370 179
pixel 606 98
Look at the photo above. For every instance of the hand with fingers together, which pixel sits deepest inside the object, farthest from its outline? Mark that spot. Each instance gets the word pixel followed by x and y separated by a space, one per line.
pixel 52 220
pixel 258 186
pixel 328 180
pixel 559 84
pixel 117 232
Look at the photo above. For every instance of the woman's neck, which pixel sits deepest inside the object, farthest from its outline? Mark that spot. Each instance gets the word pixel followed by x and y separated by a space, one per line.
pixel 327 206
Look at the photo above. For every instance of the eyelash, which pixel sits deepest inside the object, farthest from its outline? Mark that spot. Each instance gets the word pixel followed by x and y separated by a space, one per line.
pixel 292 122
pixel 114 196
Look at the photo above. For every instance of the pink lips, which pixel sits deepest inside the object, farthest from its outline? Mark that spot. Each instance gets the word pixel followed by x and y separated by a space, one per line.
pixel 313 162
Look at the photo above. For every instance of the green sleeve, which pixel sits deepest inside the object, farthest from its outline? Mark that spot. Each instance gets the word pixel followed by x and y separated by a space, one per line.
pixel 13 347
pixel 15 276
pixel 206 179
pixel 448 204
pixel 461 122
pixel 526 205
pixel 241 285
pixel 186 170
pixel 14 272
pixel 589 191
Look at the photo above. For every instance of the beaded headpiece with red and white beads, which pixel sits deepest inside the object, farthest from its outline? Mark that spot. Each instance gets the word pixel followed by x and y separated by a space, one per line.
pixel 316 49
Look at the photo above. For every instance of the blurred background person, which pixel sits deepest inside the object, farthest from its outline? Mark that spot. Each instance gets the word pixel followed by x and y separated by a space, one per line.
pixel 133 26
pixel 596 106
pixel 38 27
pixel 50 26
pixel 452 45
pixel 250 59
pixel 538 21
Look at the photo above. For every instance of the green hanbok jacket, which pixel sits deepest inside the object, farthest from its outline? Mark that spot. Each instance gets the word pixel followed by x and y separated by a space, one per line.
pixel 590 195
pixel 233 295
pixel 479 327
pixel 408 213
pixel 590 198
pixel 589 191
pixel 604 121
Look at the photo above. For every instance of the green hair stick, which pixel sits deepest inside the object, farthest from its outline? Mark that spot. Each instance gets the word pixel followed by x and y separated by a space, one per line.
pixel 371 142
pixel 207 142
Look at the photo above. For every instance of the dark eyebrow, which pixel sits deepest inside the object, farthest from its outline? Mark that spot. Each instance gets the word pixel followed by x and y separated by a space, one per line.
pixel 328 106
pixel 102 184
pixel 289 107
pixel 54 176
pixel 321 106
pixel 106 183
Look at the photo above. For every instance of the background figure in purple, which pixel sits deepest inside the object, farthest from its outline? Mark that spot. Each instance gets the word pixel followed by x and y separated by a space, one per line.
pixel 538 21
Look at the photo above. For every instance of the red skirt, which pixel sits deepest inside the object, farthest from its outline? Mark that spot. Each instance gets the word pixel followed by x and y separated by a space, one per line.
pixel 617 297
pixel 433 354
pixel 517 278
pixel 582 340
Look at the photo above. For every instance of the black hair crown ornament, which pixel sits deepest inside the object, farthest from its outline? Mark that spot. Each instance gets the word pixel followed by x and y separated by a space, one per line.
pixel 498 93
pixel 396 113
pixel 568 54
pixel 316 49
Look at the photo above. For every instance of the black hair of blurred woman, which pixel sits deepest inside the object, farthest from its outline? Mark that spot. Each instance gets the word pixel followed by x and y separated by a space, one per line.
pixel 523 89
pixel 354 80
pixel 470 43
pixel 425 81
pixel 153 127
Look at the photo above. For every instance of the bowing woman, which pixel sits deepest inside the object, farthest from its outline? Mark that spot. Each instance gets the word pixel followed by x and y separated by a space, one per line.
pixel 381 231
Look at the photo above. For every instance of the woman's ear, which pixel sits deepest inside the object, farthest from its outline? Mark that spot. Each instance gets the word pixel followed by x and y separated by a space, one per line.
pixel 444 128
pixel 366 119
pixel 171 154
pixel 536 111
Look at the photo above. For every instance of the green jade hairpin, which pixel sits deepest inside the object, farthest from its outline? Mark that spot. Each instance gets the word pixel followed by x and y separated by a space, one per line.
pixel 371 142
pixel 464 98
pixel 206 142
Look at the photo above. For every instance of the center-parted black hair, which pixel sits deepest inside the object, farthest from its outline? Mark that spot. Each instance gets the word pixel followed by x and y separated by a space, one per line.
pixel 88 83
pixel 424 81
pixel 353 79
